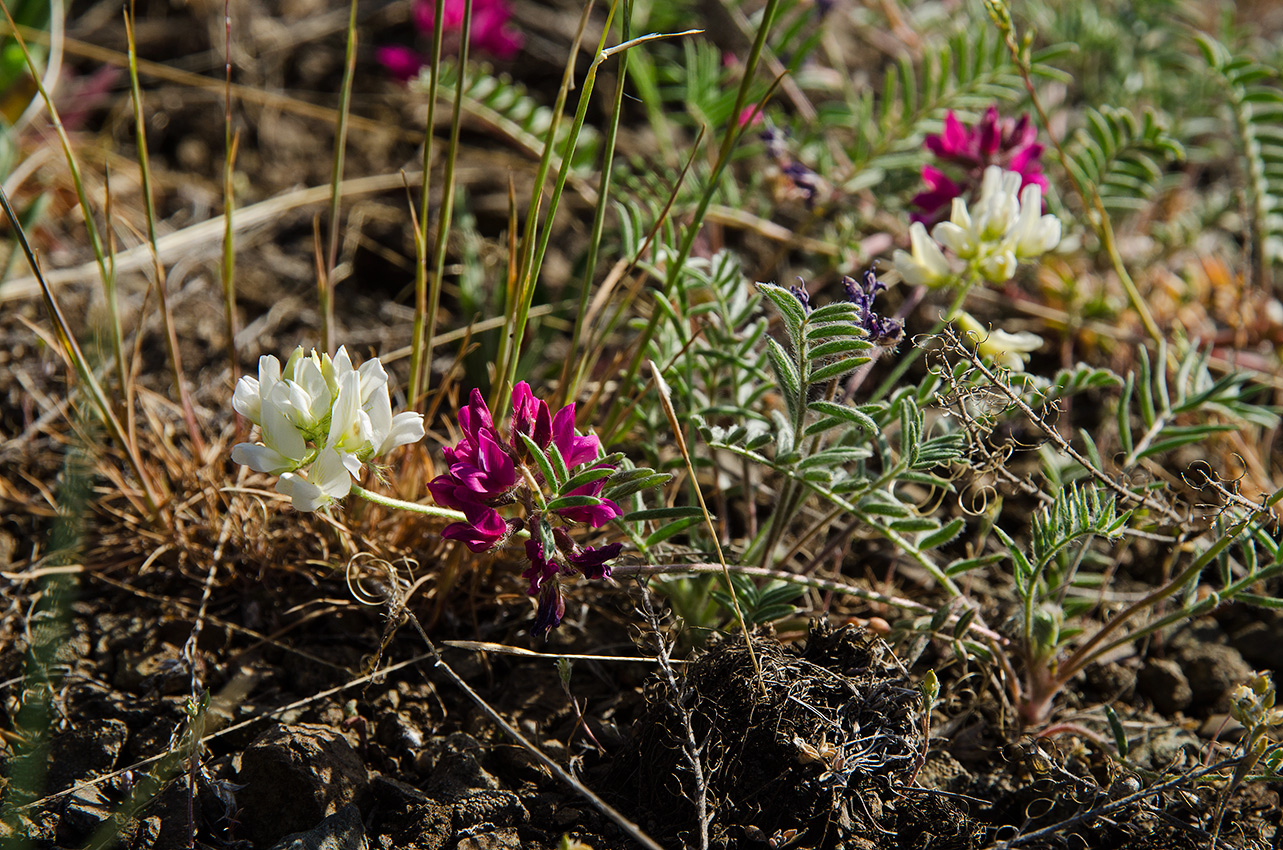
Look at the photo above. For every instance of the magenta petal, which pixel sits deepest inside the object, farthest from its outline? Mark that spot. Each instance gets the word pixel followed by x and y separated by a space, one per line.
pixel 481 532
pixel 955 143
pixel 476 418
pixel 540 569
pixel 934 203
pixel 490 30
pixel 594 515
pixel 401 62
pixel 1023 133
pixel 990 133
pixel 592 561
pixel 575 449
pixel 1026 159
pixel 451 15
pixel 530 416
pixel 491 475
pixel 445 492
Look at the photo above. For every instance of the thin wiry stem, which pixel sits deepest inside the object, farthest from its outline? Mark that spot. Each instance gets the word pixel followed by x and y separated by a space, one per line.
pixel 162 290
pixel 425 305
pixel 690 747
pixel 231 141
pixel 677 265
pixel 510 341
pixel 572 372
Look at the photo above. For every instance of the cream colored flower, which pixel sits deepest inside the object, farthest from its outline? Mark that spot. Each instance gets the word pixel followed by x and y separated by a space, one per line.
pixel 926 265
pixel 1007 350
pixel 1000 229
pixel 322 413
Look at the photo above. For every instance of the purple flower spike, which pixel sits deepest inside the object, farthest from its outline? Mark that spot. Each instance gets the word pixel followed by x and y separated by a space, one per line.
pixel 490 470
pixel 574 448
pixel 592 561
pixel 1010 144
pixel 484 529
pixel 884 331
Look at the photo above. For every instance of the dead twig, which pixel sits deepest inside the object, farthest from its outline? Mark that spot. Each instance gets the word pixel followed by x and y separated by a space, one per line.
pixel 691 749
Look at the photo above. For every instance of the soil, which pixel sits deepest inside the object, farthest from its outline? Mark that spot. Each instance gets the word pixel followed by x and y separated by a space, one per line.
pixel 324 721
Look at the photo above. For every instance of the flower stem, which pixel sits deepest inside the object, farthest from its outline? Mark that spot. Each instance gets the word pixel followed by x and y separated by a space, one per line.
pixel 389 502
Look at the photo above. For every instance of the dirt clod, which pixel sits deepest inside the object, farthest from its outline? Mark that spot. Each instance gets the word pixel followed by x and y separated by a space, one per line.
pixel 821 744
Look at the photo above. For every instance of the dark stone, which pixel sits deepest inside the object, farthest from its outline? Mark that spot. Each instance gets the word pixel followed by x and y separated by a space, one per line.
pixel 295 776
pixel 82 812
pixel 342 830
pixel 86 752
pixel 1164 682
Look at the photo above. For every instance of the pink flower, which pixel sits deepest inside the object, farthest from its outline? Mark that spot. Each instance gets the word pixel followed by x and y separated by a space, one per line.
pixel 1010 144
pixel 552 607
pixel 751 116
pixel 530 415
pixel 401 63
pixel 544 574
pixel 491 474
pixel 490 30
pixel 488 471
pixel 592 561
pixel 541 569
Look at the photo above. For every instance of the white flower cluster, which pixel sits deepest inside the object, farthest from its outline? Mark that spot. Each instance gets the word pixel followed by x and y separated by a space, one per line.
pixel 321 420
pixel 1003 227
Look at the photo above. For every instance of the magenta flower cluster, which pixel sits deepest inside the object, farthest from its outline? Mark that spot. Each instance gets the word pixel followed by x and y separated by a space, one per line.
pixel 490 33
pixel 1008 143
pixel 488 472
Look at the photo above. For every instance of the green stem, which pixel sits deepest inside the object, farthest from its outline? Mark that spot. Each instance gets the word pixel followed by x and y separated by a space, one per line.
pixel 424 319
pixel 677 266
pixel 572 373
pixel 398 504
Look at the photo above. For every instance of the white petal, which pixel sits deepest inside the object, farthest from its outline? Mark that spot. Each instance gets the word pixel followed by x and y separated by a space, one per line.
pixel 352 464
pixel 956 239
pixel 280 434
pixel 290 369
pixel 345 420
pixel 342 362
pixel 305 495
pixel 246 399
pixel 999 266
pixel 373 378
pixel 330 474
pixel 327 480
pixel 926 265
pixel 379 409
pixel 262 458
pixel 407 427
